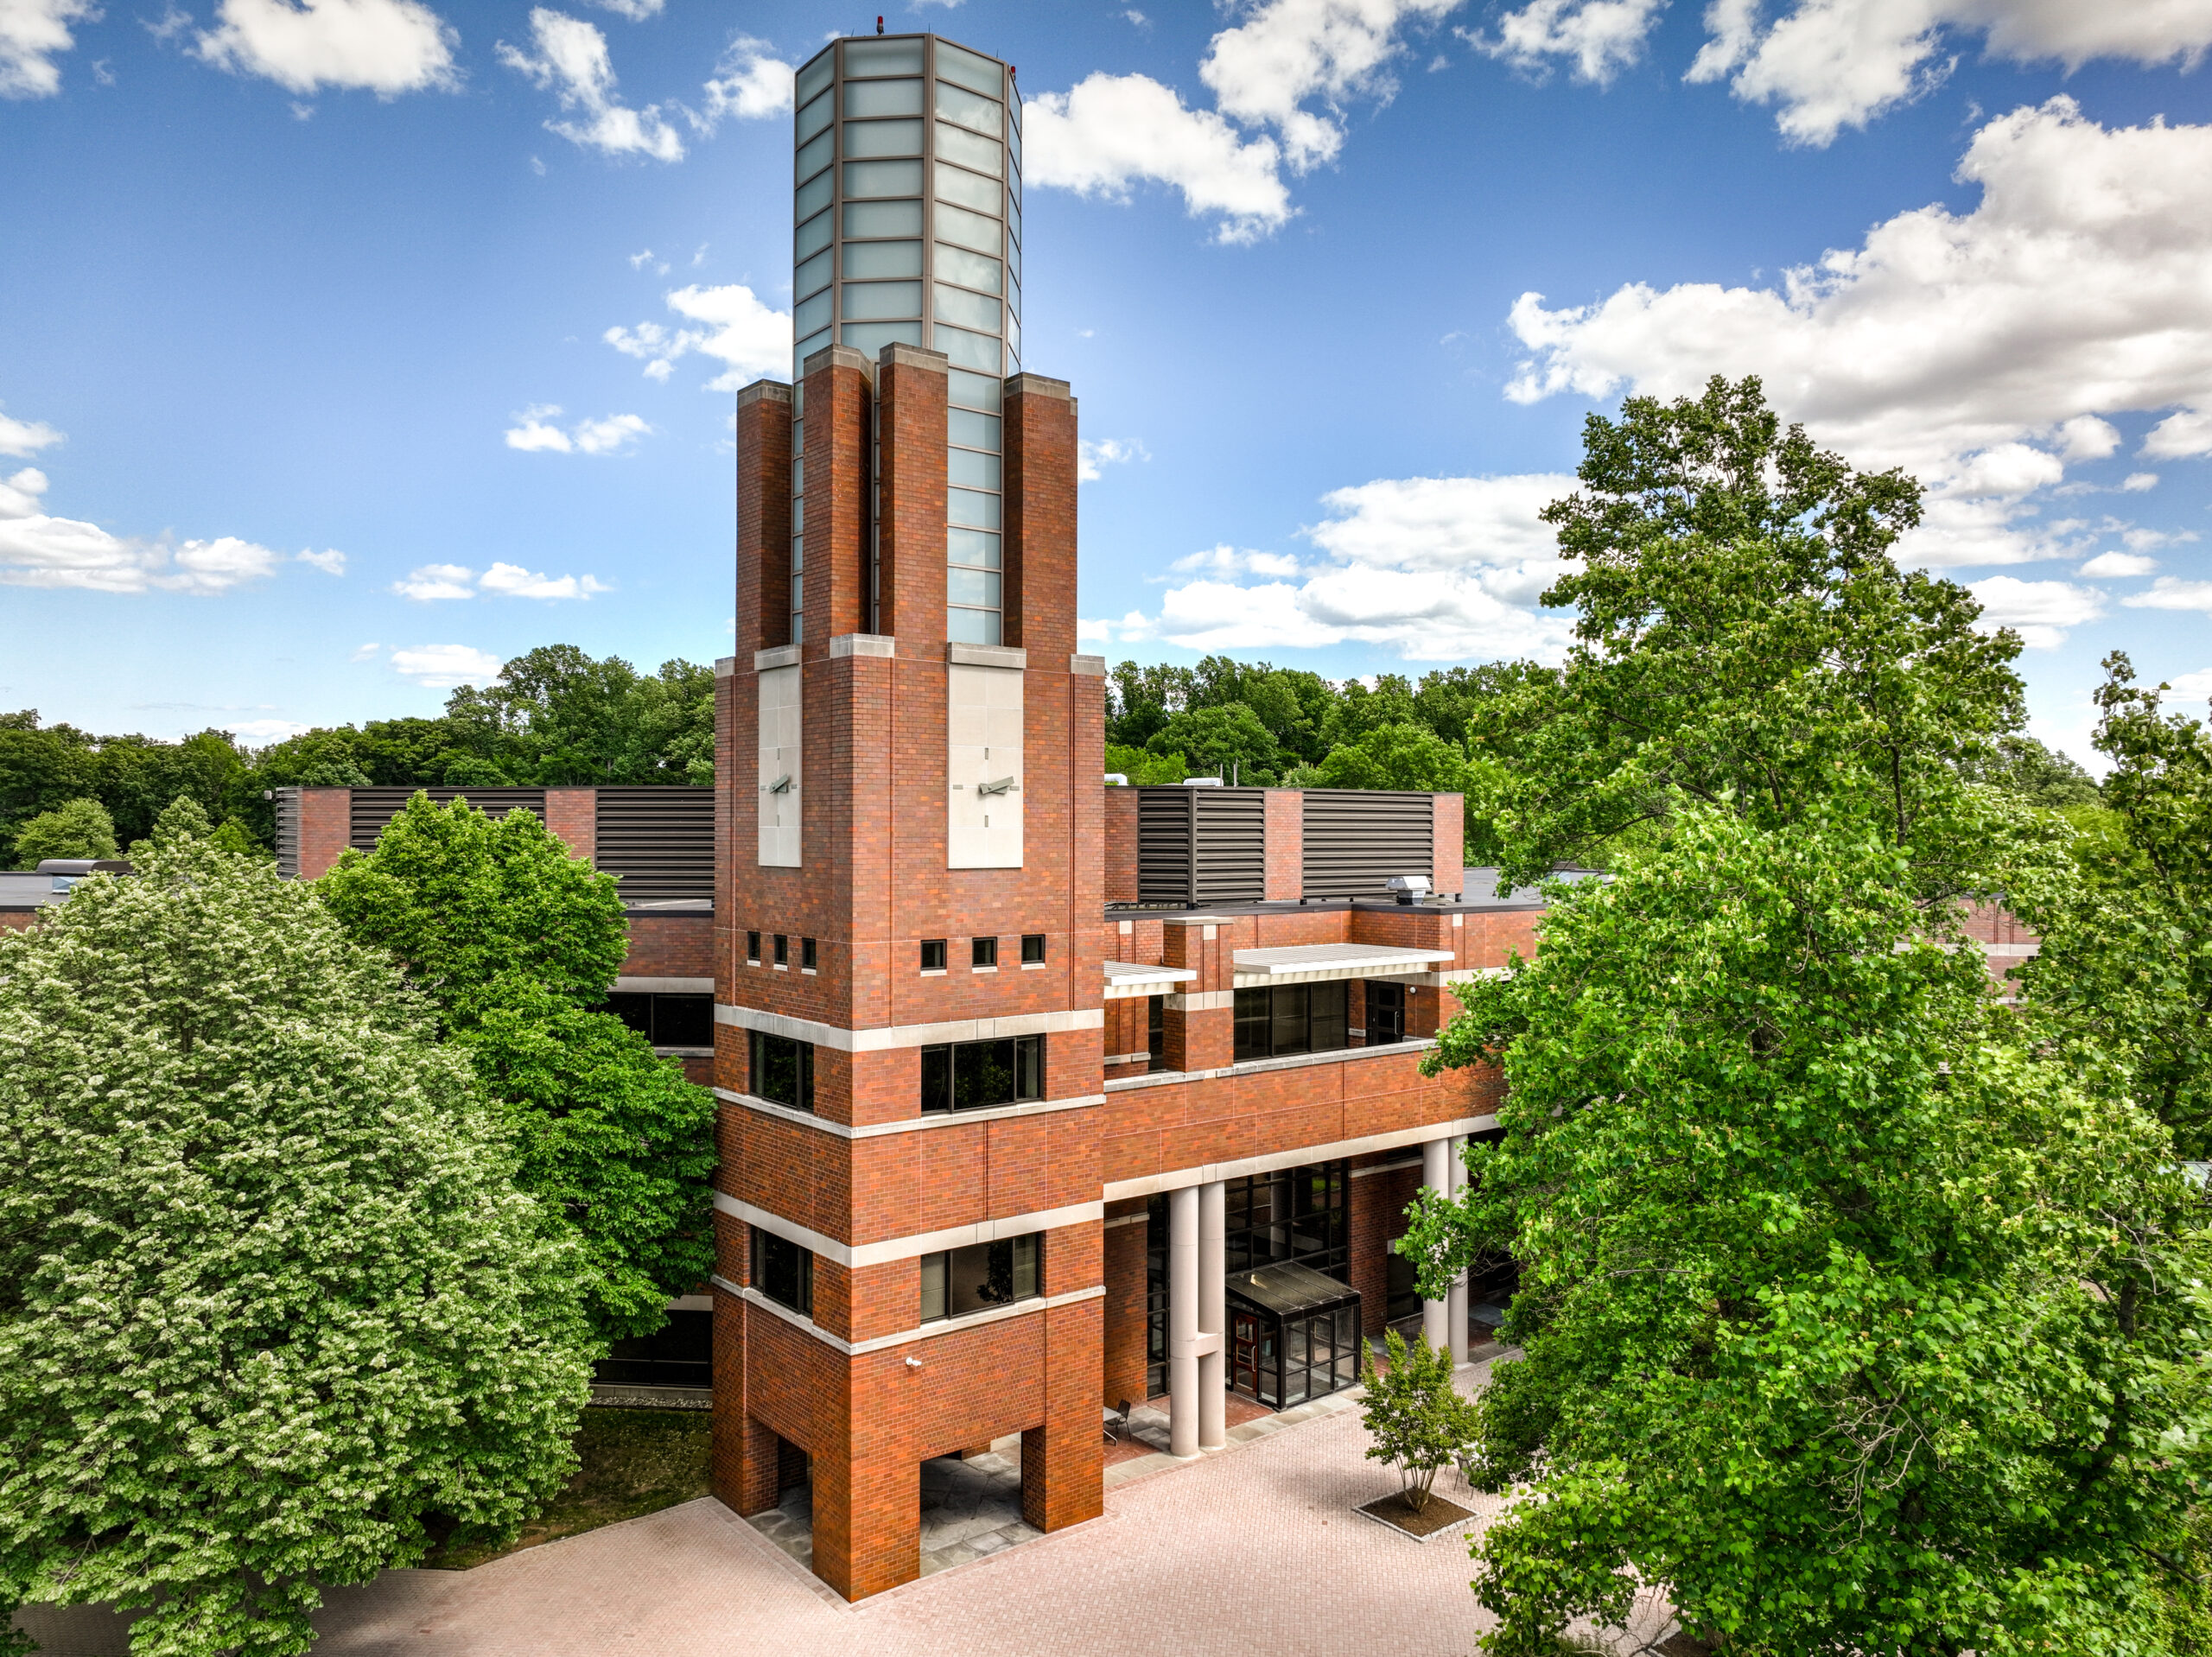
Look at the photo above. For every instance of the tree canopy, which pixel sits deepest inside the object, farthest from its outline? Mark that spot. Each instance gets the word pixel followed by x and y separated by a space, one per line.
pixel 270 1305
pixel 517 944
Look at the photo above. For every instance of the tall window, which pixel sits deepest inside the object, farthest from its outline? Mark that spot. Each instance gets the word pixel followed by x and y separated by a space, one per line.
pixel 783 1070
pixel 1290 1018
pixel 667 1021
pixel 983 1275
pixel 798 513
pixel 1386 1014
pixel 974 510
pixel 976 1075
pixel 1297 1213
pixel 782 1270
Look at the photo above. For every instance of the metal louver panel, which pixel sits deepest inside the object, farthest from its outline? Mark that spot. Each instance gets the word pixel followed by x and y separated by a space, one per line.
pixel 660 841
pixel 288 832
pixel 372 807
pixel 1199 846
pixel 1357 838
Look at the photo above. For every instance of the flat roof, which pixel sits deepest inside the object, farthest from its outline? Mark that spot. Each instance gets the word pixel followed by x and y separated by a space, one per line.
pixel 1307 963
pixel 1288 1290
pixel 26 890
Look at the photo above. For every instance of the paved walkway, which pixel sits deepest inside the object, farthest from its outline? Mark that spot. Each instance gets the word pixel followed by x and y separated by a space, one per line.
pixel 1256 1549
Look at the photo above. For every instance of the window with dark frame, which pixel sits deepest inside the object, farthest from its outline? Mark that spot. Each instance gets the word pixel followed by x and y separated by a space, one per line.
pixel 983 952
pixel 1386 1014
pixel 667 1021
pixel 783 950
pixel 782 1270
pixel 1032 948
pixel 1156 1027
pixel 1290 1018
pixel 1297 1213
pixel 978 1075
pixel 783 1070
pixel 752 949
pixel 983 1275
pixel 806 955
pixel 933 955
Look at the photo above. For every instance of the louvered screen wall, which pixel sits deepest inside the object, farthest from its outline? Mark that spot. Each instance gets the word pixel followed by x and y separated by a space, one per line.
pixel 372 807
pixel 660 841
pixel 288 832
pixel 1357 838
pixel 1199 846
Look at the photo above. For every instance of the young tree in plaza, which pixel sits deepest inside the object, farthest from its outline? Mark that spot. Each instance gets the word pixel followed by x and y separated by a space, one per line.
pixel 518 943
pixel 1857 1313
pixel 269 1300
pixel 1420 1423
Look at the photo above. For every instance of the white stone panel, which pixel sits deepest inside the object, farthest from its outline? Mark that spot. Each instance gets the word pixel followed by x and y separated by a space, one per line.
pixel 983 767
pixel 781 733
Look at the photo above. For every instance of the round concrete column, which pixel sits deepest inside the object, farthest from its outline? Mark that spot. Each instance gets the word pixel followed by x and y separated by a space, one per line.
pixel 1183 1321
pixel 1213 1309
pixel 1436 1174
pixel 1457 1313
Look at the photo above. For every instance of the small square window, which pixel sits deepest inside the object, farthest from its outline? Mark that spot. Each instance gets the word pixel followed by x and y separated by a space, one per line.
pixel 806 956
pixel 783 950
pixel 752 948
pixel 933 955
pixel 1032 948
pixel 983 952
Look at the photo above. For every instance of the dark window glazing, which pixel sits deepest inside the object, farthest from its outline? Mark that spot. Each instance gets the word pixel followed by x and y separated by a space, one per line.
pixel 1297 1213
pixel 983 952
pixel 667 1021
pixel 1290 1018
pixel 976 1075
pixel 933 955
pixel 806 953
pixel 783 950
pixel 1156 1027
pixel 752 948
pixel 1386 1014
pixel 782 1270
pixel 783 1070
pixel 1032 948
pixel 983 1275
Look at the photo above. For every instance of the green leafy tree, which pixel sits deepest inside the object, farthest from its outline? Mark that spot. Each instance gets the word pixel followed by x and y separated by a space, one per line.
pixel 41 769
pixel 76 829
pixel 271 1310
pixel 1221 740
pixel 1142 767
pixel 2125 973
pixel 1852 1319
pixel 1141 698
pixel 517 942
pixel 1402 755
pixel 1417 1418
pixel 2019 765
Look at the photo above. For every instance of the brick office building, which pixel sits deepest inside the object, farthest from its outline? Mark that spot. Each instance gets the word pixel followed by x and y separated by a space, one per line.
pixel 994 1154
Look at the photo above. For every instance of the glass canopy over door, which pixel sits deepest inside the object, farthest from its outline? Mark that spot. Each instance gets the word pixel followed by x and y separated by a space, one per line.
pixel 1294 1334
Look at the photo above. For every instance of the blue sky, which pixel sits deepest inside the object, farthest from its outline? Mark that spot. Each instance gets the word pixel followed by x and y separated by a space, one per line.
pixel 348 347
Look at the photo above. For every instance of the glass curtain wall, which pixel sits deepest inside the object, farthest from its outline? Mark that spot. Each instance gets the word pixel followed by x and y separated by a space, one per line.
pixel 907 209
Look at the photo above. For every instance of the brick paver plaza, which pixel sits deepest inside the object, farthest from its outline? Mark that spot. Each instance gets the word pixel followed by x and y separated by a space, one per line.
pixel 1256 1549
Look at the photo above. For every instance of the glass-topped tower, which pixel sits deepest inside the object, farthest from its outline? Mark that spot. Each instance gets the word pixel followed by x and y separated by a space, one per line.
pixel 907 211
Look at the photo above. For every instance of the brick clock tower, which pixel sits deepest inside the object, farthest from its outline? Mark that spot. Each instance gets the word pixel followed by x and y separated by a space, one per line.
pixel 908 869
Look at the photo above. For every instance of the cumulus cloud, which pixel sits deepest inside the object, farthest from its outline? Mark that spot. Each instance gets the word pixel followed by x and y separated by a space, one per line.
pixel 1826 65
pixel 735 327
pixel 429 583
pixel 33 33
pixel 1599 38
pixel 750 82
pixel 2171 593
pixel 570 57
pixel 636 11
pixel 24 438
pixel 2185 436
pixel 2191 687
pixel 1279 78
pixel 328 560
pixel 534 432
pixel 442 667
pixel 386 46
pixel 2040 612
pixel 1431 568
pixel 38 549
pixel 2109 565
pixel 1091 454
pixel 1932 344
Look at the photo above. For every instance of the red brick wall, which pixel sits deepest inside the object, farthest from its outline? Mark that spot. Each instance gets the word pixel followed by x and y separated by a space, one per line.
pixel 1449 872
pixel 1286 843
pixel 572 815
pixel 325 825
pixel 1121 845
pixel 17 920
pixel 1040 530
pixel 1123 1372
pixel 1377 1219
pixel 764 517
pixel 671 946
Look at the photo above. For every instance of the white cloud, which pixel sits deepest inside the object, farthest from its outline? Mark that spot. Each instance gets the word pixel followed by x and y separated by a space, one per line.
pixel 1110 132
pixel 2136 482
pixel 749 82
pixel 1833 64
pixel 636 11
pixel 19 494
pixel 386 46
pixel 571 58
pixel 366 653
pixel 1600 37
pixel 1933 345
pixel 2191 687
pixel 329 561
pixel 1094 453
pixel 24 438
pixel 441 667
pixel 428 583
pixel 535 433
pixel 33 33
pixel 738 329
pixel 2040 612
pixel 1279 78
pixel 2171 593
pixel 37 550
pixel 1432 568
pixel 2181 436
pixel 2109 565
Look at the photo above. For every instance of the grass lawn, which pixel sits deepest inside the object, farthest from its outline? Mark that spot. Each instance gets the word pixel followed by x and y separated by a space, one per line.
pixel 633 1462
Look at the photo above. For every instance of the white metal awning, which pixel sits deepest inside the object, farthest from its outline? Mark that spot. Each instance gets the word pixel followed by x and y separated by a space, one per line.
pixel 1313 963
pixel 1125 979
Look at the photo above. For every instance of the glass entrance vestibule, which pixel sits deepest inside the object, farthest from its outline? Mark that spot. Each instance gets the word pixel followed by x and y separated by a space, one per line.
pixel 1294 1334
